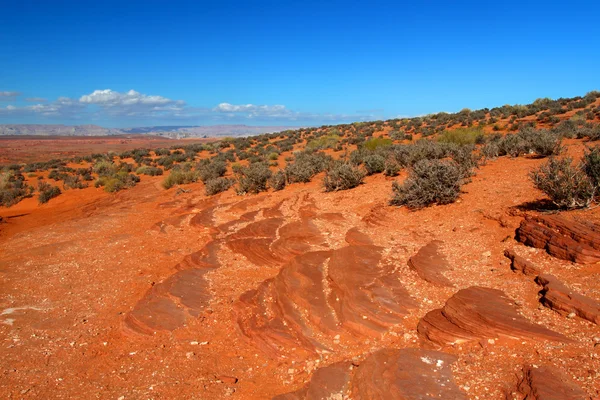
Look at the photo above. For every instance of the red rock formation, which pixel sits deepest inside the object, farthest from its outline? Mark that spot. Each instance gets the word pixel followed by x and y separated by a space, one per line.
pixel 388 374
pixel 320 294
pixel 560 298
pixel 478 313
pixel 430 263
pixel 519 264
pixel 547 383
pixel 561 237
pixel 167 305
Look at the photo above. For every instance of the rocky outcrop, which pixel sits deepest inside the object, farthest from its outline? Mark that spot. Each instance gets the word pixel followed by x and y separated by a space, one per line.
pixel 519 264
pixel 546 383
pixel 478 313
pixel 562 237
pixel 388 374
pixel 560 298
pixel 430 264
pixel 322 298
pixel 555 294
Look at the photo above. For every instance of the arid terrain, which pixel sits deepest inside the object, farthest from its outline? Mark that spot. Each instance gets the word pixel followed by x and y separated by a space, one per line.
pixel 302 293
pixel 19 149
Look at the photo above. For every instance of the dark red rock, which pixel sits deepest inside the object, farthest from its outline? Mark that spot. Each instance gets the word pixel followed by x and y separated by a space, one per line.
pixel 519 264
pixel 560 298
pixel 562 237
pixel 548 383
pixel 407 374
pixel 326 383
pixel 388 374
pixel 430 264
pixel 477 313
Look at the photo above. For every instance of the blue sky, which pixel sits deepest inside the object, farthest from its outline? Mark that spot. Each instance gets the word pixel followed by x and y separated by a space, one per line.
pixel 139 63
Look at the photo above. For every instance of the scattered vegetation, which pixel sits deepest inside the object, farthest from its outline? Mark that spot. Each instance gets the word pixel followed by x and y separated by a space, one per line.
pixel 429 182
pixel 342 176
pixel 47 192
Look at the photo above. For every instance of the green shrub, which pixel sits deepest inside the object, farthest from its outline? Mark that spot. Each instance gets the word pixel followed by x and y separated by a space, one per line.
pixel 278 180
pixel 342 176
pixel 377 143
pixel 217 185
pixel 179 177
pixel 253 179
pixel 429 182
pixel 324 142
pixel 149 170
pixel 462 136
pixel 567 185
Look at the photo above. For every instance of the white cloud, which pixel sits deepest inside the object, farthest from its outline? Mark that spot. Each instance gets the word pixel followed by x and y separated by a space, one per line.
pixel 133 105
pixel 110 98
pixel 254 110
pixel 6 96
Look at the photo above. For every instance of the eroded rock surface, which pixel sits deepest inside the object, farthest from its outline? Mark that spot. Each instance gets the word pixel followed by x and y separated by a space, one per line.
pixel 408 374
pixel 547 383
pixel 430 264
pixel 320 295
pixel 167 305
pixel 477 313
pixel 562 237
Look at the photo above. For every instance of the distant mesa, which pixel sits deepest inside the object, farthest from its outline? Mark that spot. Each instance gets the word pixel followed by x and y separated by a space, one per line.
pixel 174 131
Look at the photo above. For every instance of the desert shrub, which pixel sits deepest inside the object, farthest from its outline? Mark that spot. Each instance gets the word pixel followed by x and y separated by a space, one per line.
pixel 391 167
pixel 306 164
pixel 253 179
pixel 47 192
pixel 342 176
pixel 542 142
pixel 566 184
pixel 464 157
pixel 374 163
pixel 590 164
pixel 462 136
pixel 179 177
pixel 512 145
pixel 278 180
pixel 324 142
pixel 105 168
pixel 13 188
pixel 429 182
pixel 149 170
pixel 74 182
pixel 377 143
pixel 217 185
pixel 208 169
